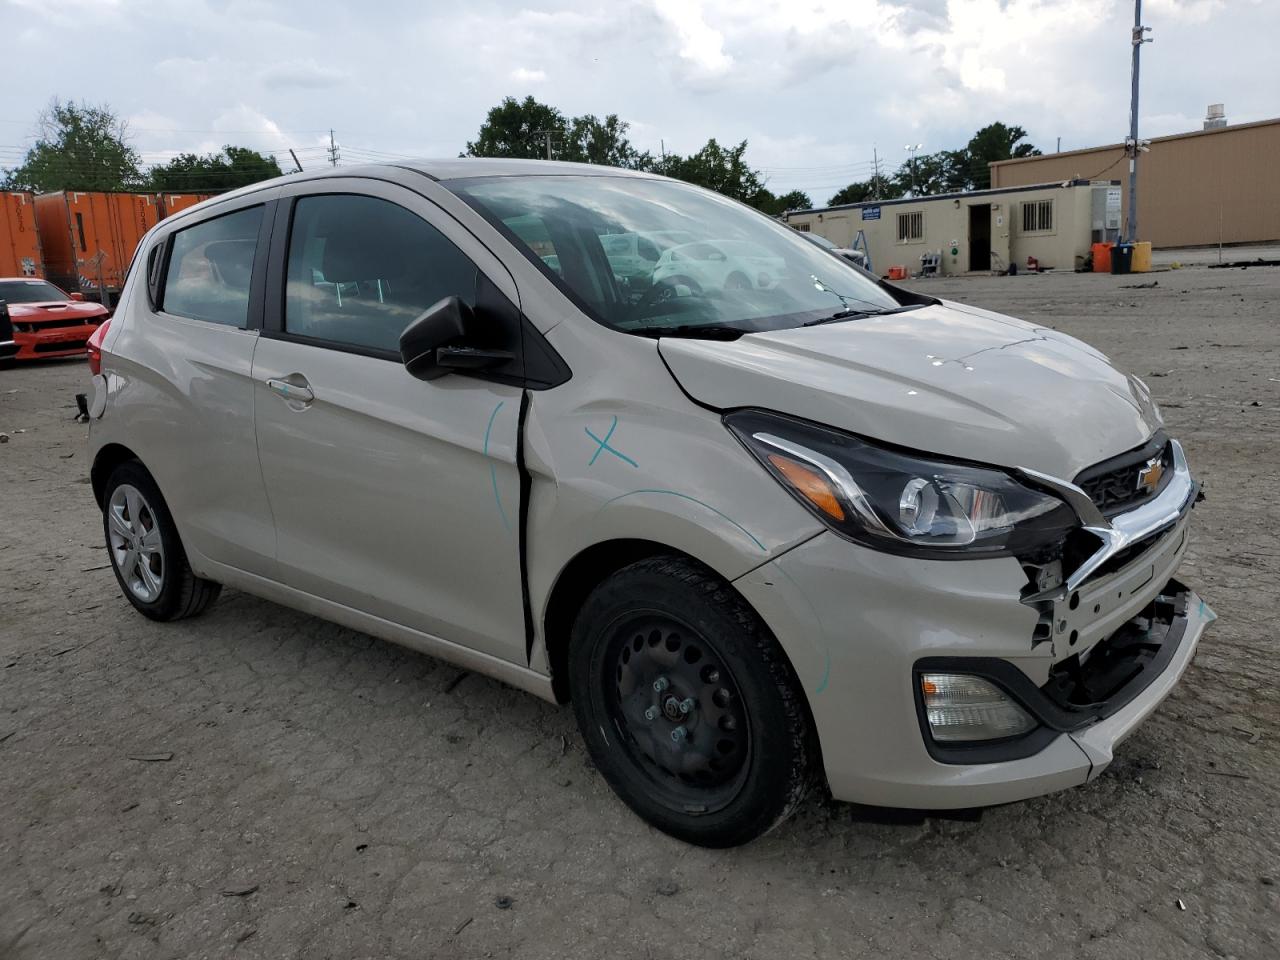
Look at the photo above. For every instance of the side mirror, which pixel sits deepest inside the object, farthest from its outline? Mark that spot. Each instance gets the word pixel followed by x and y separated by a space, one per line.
pixel 447 337
pixel 77 296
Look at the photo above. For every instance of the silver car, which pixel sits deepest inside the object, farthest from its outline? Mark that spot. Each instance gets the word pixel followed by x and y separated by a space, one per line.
pixel 824 530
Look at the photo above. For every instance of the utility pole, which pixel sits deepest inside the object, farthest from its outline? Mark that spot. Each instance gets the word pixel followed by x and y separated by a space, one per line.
pixel 875 177
pixel 1134 146
pixel 546 135
pixel 911 152
pixel 334 156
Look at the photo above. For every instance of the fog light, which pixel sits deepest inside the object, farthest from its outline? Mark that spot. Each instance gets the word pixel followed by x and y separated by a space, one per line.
pixel 960 707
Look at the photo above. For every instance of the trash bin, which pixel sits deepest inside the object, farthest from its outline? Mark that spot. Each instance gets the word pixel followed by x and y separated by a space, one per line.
pixel 1101 258
pixel 1122 258
pixel 1141 257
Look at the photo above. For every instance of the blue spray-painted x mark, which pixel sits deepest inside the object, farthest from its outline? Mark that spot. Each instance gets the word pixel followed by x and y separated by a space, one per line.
pixel 604 445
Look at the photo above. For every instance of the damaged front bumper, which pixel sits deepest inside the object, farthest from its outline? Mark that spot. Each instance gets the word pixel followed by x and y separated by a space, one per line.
pixel 1090 664
pixel 1084 692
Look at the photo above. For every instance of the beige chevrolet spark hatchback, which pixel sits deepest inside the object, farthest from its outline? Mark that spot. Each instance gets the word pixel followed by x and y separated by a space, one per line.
pixel 614 439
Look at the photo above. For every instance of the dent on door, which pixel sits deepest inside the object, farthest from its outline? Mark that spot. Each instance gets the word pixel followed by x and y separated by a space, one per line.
pixel 393 496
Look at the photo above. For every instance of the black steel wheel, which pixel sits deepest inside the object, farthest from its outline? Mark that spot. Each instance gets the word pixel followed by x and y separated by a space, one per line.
pixel 677 709
pixel 688 706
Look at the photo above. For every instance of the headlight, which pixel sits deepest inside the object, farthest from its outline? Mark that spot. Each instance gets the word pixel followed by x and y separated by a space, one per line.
pixel 902 502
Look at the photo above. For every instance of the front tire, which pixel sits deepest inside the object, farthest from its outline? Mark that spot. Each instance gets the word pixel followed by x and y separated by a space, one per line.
pixel 688 705
pixel 146 552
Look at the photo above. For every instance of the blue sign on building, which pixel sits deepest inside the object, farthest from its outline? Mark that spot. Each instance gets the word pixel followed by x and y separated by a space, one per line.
pixel 870 213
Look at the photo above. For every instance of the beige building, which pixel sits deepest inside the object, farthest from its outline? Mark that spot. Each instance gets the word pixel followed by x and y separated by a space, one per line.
pixel 1055 223
pixel 1194 189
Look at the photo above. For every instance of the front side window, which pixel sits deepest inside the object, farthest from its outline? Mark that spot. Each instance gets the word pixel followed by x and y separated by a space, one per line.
pixel 210 266
pixel 657 257
pixel 362 269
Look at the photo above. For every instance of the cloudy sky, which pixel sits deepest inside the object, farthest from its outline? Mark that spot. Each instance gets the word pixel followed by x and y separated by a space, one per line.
pixel 814 85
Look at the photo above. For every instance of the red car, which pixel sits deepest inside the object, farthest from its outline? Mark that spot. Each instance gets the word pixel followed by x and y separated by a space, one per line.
pixel 38 319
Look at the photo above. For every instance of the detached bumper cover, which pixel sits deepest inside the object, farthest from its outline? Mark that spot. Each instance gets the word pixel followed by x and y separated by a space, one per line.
pixel 1082 693
pixel 856 624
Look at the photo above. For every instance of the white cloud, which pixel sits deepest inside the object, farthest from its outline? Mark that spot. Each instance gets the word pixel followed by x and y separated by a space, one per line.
pixel 813 85
pixel 700 44
pixel 306 74
pixel 242 119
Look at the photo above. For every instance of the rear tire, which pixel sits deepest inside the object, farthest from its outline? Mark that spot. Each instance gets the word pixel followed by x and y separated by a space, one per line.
pixel 146 552
pixel 665 646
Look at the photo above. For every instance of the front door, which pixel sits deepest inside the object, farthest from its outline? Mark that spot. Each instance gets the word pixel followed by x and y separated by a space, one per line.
pixel 1000 217
pixel 980 236
pixel 393 496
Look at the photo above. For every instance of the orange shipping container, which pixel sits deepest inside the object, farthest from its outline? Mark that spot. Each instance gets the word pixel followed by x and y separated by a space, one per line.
pixel 19 241
pixel 171 203
pixel 89 238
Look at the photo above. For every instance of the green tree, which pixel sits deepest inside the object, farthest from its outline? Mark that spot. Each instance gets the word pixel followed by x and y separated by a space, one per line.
pixel 994 142
pixel 232 167
pixel 775 206
pixel 515 128
pixel 588 139
pixel 80 146
pixel 929 174
pixel 718 168
pixel 794 200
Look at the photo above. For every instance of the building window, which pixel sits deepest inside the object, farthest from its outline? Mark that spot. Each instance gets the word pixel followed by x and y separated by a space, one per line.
pixel 1037 216
pixel 911 227
pixel 802 227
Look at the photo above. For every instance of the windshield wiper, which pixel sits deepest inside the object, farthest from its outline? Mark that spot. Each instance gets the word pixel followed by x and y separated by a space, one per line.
pixel 704 331
pixel 854 314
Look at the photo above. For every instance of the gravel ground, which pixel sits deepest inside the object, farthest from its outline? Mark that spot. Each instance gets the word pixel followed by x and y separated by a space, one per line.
pixel 324 794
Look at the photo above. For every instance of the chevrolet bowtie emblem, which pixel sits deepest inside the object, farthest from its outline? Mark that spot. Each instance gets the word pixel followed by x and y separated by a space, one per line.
pixel 1149 476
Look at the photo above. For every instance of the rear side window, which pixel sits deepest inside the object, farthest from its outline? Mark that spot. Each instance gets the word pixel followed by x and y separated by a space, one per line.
pixel 362 269
pixel 210 266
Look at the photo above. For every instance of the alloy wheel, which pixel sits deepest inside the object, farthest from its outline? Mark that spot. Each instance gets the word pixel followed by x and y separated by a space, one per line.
pixel 134 539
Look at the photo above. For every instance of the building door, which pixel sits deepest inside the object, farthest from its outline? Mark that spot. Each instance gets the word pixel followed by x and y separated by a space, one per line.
pixel 998 224
pixel 980 236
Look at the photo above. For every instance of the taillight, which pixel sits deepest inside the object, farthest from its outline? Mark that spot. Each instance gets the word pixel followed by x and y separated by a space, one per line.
pixel 94 347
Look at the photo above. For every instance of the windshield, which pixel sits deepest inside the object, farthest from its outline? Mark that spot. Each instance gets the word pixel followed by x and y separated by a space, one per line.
pixel 820 240
pixel 655 256
pixel 30 291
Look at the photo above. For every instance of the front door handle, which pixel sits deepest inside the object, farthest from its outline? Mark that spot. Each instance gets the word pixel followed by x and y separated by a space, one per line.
pixel 293 392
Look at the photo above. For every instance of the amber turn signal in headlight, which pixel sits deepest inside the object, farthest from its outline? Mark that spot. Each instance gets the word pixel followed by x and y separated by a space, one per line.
pixel 810 484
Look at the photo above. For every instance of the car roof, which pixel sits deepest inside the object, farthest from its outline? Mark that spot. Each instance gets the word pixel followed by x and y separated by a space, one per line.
pixel 450 168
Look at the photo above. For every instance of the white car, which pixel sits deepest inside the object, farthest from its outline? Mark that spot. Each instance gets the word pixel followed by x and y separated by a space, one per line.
pixel 719 265
pixel 830 530
pixel 633 256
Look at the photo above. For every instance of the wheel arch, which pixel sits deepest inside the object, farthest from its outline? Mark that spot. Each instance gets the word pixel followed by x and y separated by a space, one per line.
pixel 589 568
pixel 105 463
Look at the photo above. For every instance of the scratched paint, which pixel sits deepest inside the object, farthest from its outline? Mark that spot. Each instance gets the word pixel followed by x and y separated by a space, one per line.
pixel 685 496
pixel 604 445
pixel 493 468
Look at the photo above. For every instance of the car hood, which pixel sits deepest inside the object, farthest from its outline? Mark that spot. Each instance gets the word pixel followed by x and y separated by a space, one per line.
pixel 57 308
pixel 946 379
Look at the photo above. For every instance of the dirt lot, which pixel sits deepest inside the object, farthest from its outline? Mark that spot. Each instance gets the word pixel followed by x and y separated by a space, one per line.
pixel 330 795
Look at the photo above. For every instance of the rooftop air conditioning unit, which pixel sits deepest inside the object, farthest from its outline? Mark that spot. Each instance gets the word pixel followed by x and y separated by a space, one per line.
pixel 1216 116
